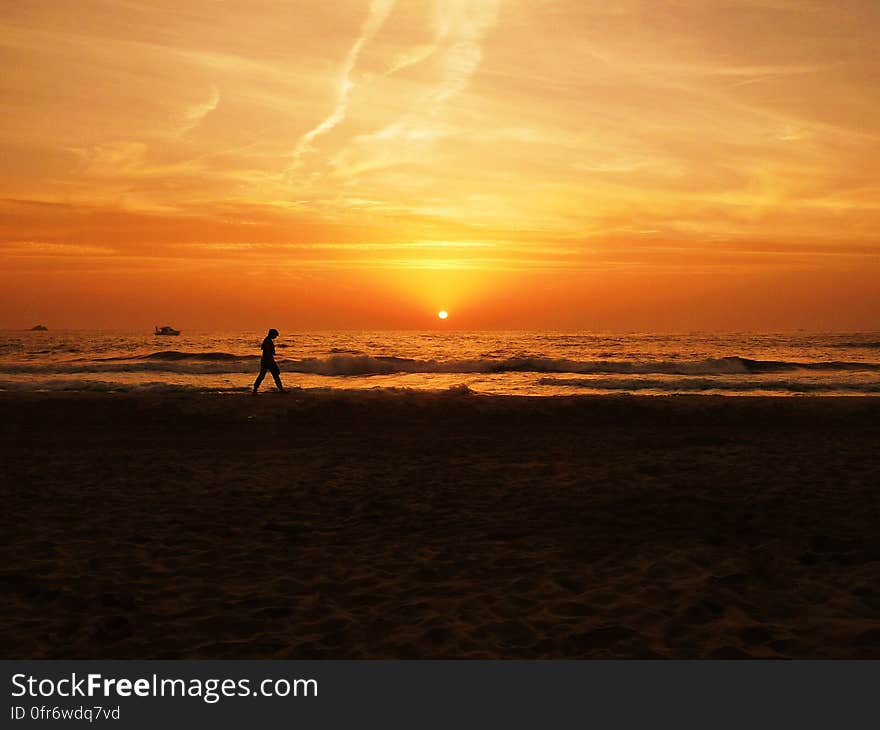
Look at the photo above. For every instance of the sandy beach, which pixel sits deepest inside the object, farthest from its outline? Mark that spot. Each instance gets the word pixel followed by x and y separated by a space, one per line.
pixel 406 525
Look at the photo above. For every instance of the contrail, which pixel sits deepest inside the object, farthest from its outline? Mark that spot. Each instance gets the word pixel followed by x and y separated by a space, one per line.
pixel 461 27
pixel 379 11
pixel 467 23
pixel 195 113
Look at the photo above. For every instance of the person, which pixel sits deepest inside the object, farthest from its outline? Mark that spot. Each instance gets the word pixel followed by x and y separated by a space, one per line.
pixel 267 362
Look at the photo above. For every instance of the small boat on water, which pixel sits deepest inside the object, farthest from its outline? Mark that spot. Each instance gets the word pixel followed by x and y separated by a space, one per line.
pixel 39 328
pixel 166 331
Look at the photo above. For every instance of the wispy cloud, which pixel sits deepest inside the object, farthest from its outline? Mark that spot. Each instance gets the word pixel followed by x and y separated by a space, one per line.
pixel 412 57
pixel 379 11
pixel 460 29
pixel 194 114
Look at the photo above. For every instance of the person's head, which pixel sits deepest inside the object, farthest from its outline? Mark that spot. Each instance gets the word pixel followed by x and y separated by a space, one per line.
pixel 273 333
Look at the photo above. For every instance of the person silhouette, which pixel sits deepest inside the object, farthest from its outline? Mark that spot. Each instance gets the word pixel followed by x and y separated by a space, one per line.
pixel 267 362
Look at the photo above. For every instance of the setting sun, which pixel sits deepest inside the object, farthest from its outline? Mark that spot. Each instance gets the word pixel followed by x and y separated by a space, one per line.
pixel 443 314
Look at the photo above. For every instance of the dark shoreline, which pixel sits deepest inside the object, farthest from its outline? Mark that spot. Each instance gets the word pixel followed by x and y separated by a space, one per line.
pixel 377 524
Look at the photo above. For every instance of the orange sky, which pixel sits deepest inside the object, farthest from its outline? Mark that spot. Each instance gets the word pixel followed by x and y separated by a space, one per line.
pixel 608 164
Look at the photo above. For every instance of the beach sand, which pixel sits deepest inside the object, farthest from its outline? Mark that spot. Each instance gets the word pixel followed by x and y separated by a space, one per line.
pixel 407 525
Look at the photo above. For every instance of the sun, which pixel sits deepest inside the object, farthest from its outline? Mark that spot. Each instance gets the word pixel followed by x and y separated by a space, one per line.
pixel 443 314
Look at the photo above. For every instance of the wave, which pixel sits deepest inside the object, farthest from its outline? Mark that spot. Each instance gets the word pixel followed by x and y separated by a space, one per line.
pixel 868 345
pixel 176 356
pixel 100 386
pixel 337 365
pixel 680 385
pixel 599 384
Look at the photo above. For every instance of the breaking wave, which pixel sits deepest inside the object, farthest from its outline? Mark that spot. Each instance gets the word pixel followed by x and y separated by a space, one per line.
pixel 868 345
pixel 61 385
pixel 695 385
pixel 343 364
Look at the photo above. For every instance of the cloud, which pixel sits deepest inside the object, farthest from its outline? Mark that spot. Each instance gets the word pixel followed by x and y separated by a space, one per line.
pixel 412 57
pixel 460 29
pixel 379 11
pixel 194 114
pixel 464 24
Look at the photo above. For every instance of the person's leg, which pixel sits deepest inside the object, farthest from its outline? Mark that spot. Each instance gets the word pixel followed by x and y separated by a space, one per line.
pixel 276 375
pixel 260 377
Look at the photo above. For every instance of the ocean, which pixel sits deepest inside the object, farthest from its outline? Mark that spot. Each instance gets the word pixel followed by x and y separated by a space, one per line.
pixel 517 363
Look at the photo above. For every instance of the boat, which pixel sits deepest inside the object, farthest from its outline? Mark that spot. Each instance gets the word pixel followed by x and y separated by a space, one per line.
pixel 166 331
pixel 39 328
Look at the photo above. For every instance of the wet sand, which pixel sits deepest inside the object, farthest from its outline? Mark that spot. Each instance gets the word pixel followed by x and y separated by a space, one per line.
pixel 401 525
